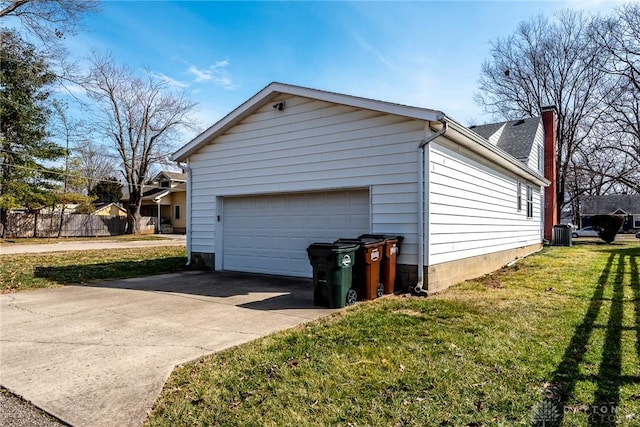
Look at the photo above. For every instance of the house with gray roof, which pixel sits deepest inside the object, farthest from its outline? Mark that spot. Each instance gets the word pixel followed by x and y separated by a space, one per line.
pixel 294 165
pixel 627 205
pixel 533 142
pixel 523 139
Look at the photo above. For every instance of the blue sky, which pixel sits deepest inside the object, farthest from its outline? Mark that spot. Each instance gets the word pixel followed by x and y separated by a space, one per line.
pixel 425 54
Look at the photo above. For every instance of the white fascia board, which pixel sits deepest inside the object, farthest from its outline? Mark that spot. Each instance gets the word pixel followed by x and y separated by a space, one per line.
pixel 474 142
pixel 275 89
pixel 156 198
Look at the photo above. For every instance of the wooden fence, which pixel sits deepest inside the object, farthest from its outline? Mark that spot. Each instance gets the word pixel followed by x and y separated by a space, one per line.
pixel 73 225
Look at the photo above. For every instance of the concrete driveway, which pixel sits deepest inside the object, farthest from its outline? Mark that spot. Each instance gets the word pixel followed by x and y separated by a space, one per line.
pixel 99 355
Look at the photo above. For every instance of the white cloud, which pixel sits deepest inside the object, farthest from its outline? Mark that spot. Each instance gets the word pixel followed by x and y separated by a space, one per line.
pixel 70 89
pixel 215 73
pixel 170 81
pixel 376 53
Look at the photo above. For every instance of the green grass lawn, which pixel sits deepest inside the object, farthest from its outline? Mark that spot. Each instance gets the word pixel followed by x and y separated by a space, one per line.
pixel 555 337
pixel 33 271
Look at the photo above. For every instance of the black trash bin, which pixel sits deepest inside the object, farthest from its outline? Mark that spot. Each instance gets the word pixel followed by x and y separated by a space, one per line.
pixel 366 275
pixel 388 267
pixel 332 273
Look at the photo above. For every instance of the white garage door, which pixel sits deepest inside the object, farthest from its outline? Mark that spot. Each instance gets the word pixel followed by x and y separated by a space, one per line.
pixel 270 233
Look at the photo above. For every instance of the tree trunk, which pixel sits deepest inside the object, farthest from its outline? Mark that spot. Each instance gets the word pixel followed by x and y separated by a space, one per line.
pixel 35 224
pixel 61 222
pixel 3 222
pixel 133 214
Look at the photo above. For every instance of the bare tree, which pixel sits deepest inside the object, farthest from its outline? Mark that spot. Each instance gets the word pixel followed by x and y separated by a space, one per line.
pixel 92 164
pixel 141 117
pixel 548 62
pixel 619 37
pixel 48 20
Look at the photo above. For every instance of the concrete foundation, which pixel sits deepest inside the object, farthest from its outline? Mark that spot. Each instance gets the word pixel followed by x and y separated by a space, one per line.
pixel 203 261
pixel 439 277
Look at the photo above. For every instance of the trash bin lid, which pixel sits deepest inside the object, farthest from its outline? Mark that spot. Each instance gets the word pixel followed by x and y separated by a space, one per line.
pixel 382 236
pixel 340 247
pixel 337 247
pixel 364 242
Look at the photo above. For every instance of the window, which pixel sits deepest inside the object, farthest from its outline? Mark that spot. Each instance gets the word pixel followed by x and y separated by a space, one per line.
pixel 164 184
pixel 519 196
pixel 636 221
pixel 176 212
pixel 529 201
pixel 541 160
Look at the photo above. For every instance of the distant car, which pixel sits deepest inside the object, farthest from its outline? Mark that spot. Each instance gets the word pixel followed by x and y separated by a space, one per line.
pixel 638 235
pixel 585 232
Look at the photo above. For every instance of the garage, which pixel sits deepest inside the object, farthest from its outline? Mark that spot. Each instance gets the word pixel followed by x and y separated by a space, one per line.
pixel 270 233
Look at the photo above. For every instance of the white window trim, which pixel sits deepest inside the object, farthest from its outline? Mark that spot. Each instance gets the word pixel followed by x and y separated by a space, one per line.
pixel 529 201
pixel 519 196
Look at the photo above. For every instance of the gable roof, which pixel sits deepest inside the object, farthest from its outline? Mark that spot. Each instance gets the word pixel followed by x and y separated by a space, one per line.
pixel 605 205
pixel 102 206
pixel 517 136
pixel 456 131
pixel 172 176
pixel 274 90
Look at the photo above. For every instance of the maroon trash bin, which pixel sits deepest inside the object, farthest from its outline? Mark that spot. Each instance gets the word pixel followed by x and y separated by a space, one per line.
pixel 388 264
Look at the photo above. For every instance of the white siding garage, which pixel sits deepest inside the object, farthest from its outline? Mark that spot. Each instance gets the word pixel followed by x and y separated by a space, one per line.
pixel 280 172
pixel 270 233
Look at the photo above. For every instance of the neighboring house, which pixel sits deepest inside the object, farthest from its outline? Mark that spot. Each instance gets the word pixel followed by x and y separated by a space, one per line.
pixel 109 209
pixel 294 165
pixel 613 204
pixel 165 199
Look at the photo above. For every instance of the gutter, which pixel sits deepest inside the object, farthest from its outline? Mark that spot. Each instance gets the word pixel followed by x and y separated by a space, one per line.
pixel 189 199
pixel 421 203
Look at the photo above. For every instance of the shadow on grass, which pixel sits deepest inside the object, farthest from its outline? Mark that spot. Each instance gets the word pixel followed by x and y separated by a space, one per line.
pixel 609 379
pixel 74 274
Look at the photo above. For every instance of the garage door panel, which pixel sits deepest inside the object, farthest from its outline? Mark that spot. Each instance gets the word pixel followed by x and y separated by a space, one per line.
pixel 270 234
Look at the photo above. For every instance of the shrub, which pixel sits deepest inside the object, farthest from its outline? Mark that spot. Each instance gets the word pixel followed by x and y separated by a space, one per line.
pixel 607 226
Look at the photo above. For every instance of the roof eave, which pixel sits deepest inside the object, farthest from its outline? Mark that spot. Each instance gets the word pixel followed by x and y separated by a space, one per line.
pixel 471 140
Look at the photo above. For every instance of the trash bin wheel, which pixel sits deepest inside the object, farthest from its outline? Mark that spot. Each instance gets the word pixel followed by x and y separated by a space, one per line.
pixel 380 290
pixel 352 297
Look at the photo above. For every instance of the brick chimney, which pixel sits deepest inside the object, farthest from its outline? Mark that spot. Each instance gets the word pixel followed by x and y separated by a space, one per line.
pixel 549 121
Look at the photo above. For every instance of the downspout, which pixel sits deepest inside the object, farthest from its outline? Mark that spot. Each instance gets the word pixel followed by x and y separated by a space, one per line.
pixel 421 205
pixel 188 219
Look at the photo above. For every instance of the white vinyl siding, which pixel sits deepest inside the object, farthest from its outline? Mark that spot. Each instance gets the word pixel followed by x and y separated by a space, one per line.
pixel 473 207
pixel 536 155
pixel 311 146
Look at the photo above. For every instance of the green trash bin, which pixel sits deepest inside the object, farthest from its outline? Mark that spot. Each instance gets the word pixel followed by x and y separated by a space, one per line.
pixel 366 276
pixel 332 272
